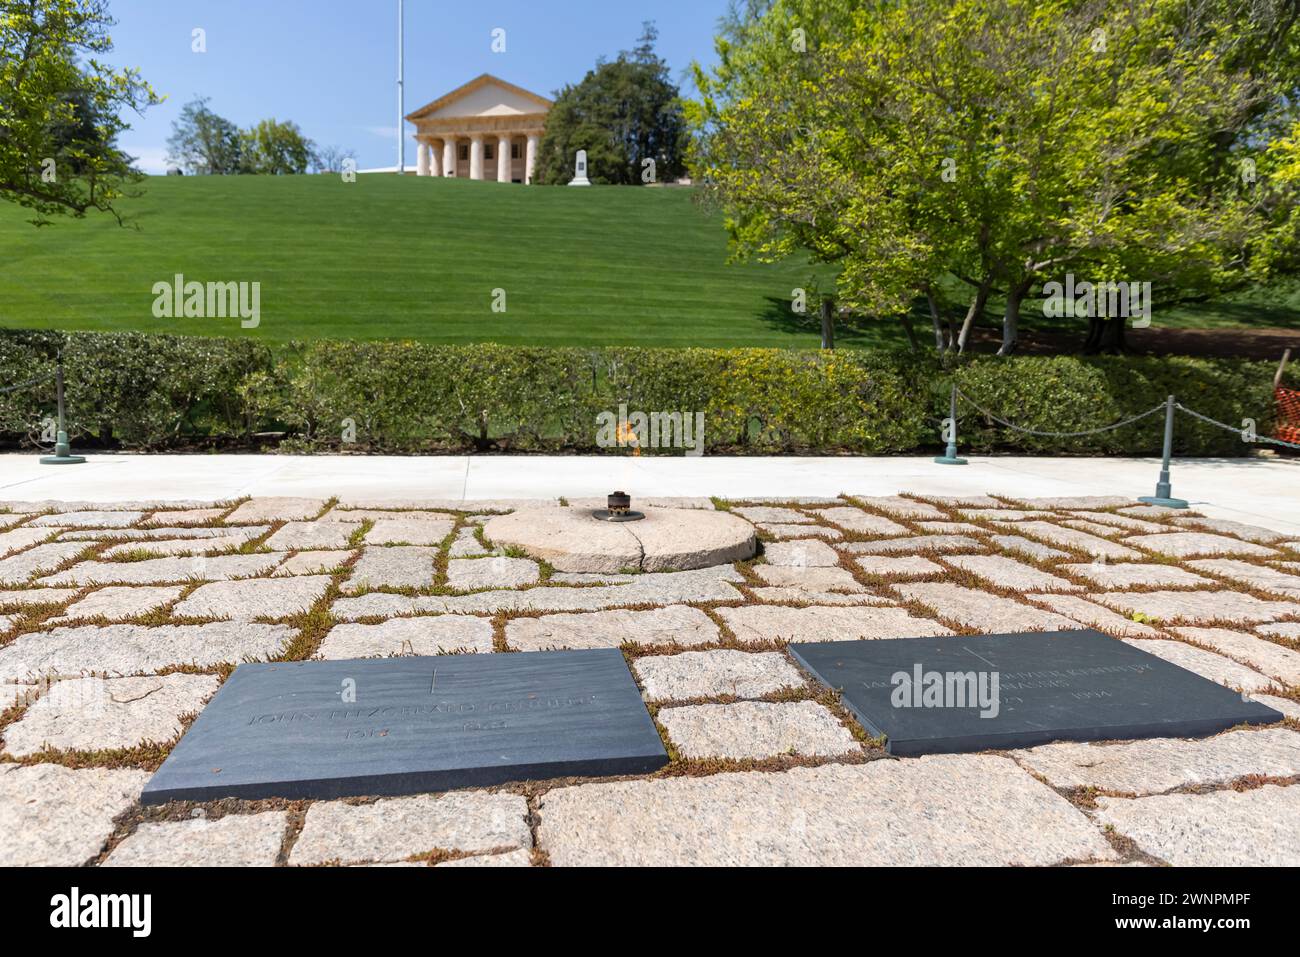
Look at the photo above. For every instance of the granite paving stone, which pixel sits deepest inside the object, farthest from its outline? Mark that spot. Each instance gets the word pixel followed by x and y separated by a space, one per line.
pixel 1086 502
pixel 1195 544
pixel 387 515
pixel 659 588
pixel 394 829
pixel 92 714
pixel 294 536
pixel 425 635
pixel 1156 765
pixel 120 602
pixel 809 579
pixel 1198 606
pixel 28 597
pixel 396 566
pixel 163 547
pixel 1260 653
pixel 769 623
pixel 1025 546
pixel 1283 629
pixel 313 563
pixel 185 516
pixel 1288 706
pixel 978 810
pixel 951 528
pixel 1121 521
pixel 1251 533
pixel 467 545
pixel 1255 828
pixel 473 574
pixel 781 595
pixel 902 566
pixel 94 519
pixel 53 816
pixel 1009 573
pixel 675 624
pixel 856 520
pixel 166 533
pixel 1071 538
pixel 162 570
pixel 902 507
pixel 23 537
pixel 756 730
pixel 786 531
pixel 1207 664
pixel 977 609
pixel 18 569
pixel 519 858
pixel 408 531
pixel 117 650
pixel 1257 576
pixel 767 513
pixel 277 509
pixel 801 553
pixel 713 674
pixel 918 545
pixel 254 598
pixel 236 840
pixel 1135 574
pixel 1089 613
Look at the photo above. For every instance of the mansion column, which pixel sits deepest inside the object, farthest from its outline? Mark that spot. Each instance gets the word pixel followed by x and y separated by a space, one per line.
pixel 449 156
pixel 435 160
pixel 422 151
pixel 503 159
pixel 476 156
pixel 530 163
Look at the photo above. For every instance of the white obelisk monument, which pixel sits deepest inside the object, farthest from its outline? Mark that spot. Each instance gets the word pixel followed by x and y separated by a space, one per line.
pixel 580 171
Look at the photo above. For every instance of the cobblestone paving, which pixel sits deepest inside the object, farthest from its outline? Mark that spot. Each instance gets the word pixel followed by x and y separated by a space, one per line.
pixel 118 623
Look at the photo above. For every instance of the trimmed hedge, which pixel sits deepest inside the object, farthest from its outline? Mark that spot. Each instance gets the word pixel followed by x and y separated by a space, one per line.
pixel 136 391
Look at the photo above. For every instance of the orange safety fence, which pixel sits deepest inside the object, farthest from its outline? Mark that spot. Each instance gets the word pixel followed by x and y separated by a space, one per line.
pixel 1288 414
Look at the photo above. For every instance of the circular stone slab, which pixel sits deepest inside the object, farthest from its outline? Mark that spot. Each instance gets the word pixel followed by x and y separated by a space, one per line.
pixel 572 540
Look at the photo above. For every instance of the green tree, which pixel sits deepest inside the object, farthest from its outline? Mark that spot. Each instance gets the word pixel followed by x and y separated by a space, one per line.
pixel 203 143
pixel 1003 142
pixel 627 114
pixel 274 148
pixel 60 114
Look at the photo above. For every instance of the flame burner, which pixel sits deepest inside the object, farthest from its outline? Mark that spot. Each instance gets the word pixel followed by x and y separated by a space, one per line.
pixel 619 509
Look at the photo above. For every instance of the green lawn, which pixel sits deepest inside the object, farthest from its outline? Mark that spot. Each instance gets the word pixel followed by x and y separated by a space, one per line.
pixel 389 257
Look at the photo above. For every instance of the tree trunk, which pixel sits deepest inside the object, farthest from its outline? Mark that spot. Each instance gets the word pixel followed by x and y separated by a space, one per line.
pixel 976 308
pixel 911 333
pixel 828 324
pixel 1112 339
pixel 1011 318
pixel 1092 341
pixel 940 344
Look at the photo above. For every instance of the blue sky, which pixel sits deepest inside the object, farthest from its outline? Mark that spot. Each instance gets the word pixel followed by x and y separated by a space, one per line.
pixel 331 65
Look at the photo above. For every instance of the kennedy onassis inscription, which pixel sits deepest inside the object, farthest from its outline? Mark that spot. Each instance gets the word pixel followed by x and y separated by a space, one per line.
pixel 384 726
pixel 975 693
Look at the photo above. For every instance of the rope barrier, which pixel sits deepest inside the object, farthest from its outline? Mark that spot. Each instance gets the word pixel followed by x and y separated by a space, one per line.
pixel 34 381
pixel 1223 425
pixel 1104 428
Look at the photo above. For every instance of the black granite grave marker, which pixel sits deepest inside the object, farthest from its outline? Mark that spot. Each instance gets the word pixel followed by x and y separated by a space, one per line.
pixel 385 726
pixel 1052 686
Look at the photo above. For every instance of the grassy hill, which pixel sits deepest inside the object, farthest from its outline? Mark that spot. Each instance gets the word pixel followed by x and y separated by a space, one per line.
pixel 390 257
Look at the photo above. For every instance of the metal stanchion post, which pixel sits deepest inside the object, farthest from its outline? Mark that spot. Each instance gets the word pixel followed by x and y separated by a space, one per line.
pixel 62 450
pixel 950 457
pixel 1164 489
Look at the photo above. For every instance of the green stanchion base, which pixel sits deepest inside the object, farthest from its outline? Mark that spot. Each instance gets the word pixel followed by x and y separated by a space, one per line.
pixel 63 460
pixel 948 460
pixel 1165 502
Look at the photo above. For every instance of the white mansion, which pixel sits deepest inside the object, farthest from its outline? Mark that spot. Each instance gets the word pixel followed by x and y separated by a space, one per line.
pixel 486 129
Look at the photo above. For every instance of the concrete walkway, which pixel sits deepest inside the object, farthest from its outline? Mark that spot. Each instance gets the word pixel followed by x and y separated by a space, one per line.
pixel 1261 490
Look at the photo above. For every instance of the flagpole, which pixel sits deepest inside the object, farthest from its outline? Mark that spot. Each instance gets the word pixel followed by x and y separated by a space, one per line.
pixel 401 97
